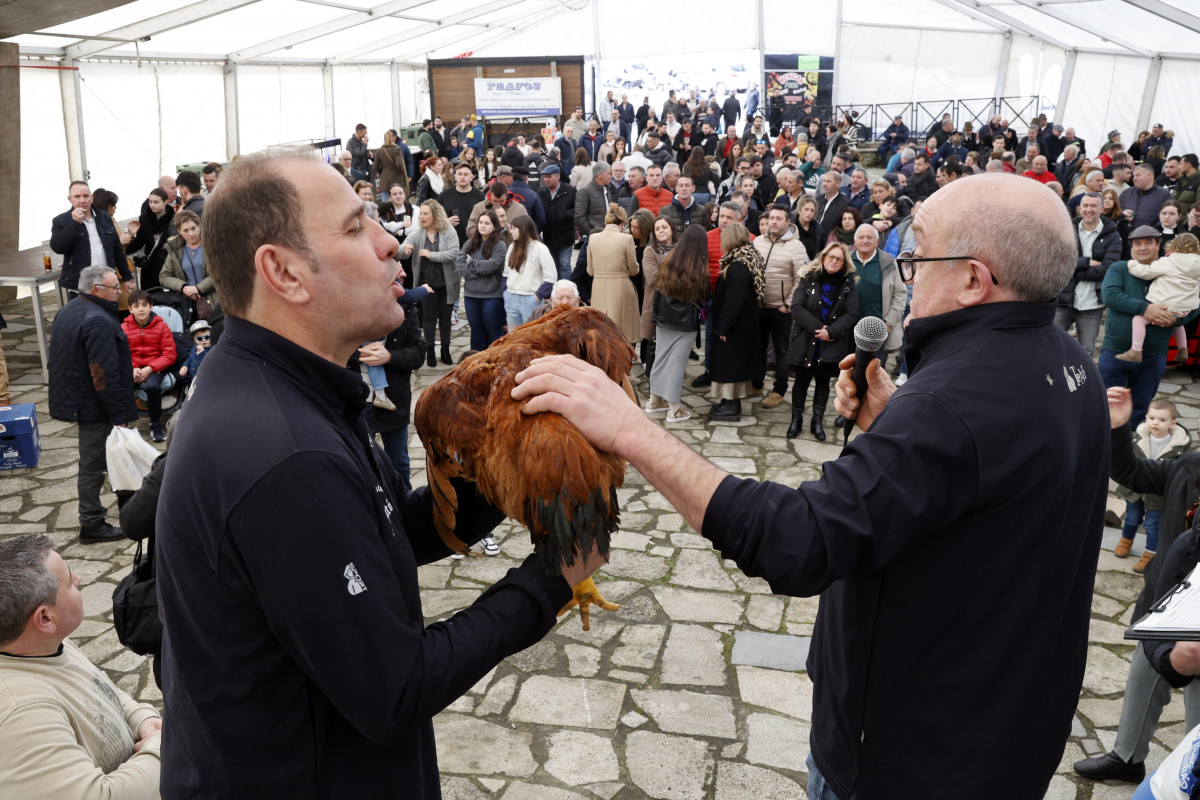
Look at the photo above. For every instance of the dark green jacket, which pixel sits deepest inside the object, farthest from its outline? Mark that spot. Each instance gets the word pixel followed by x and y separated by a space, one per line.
pixel 1125 297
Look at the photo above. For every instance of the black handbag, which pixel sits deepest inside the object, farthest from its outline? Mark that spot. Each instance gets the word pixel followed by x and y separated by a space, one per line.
pixel 135 605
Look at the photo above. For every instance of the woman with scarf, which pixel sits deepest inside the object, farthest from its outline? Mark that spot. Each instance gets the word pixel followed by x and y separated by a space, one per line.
pixel 741 284
pixel 431 184
pixel 824 310
pixel 848 223
pixel 680 288
pixel 654 249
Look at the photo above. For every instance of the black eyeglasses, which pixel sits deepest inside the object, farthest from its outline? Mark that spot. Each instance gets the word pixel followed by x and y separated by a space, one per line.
pixel 907 262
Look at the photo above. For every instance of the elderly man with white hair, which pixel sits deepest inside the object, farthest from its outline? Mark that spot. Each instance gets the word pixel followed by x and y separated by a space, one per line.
pixel 564 293
pixel 911 513
pixel 881 292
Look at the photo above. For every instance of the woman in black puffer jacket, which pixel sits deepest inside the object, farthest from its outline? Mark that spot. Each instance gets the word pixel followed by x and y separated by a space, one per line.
pixel 149 243
pixel 824 309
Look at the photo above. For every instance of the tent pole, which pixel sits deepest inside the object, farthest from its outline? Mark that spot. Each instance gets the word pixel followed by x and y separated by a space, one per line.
pixel 1064 90
pixel 72 103
pixel 397 118
pixel 837 62
pixel 598 83
pixel 327 79
pixel 232 122
pixel 1148 96
pixel 10 149
pixel 1002 71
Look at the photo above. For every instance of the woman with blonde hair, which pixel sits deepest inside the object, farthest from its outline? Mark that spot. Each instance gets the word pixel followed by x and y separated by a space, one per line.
pixel 824 309
pixel 365 190
pixel 612 261
pixel 390 162
pixel 741 284
pixel 433 246
pixel 680 291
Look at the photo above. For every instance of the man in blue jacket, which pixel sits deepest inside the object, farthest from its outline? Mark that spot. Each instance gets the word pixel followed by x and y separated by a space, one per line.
pixel 307 668
pixel 86 237
pixel 91 384
pixel 895 136
pixel 927 627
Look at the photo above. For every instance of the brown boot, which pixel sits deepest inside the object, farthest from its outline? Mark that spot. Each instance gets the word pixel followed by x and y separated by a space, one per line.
pixel 1143 562
pixel 1122 548
pixel 1130 356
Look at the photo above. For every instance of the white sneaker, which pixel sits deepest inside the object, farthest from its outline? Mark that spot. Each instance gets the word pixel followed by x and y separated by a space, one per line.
pixel 490 548
pixel 458 556
pixel 655 405
pixel 903 379
pixel 679 414
pixel 453 318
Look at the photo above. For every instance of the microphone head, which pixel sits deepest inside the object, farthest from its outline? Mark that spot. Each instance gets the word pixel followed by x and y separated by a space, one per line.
pixel 870 333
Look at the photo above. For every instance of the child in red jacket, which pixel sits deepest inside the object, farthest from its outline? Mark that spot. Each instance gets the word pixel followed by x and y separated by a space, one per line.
pixel 153 349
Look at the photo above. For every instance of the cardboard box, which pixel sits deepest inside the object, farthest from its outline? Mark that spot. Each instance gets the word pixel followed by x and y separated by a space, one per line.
pixel 19 442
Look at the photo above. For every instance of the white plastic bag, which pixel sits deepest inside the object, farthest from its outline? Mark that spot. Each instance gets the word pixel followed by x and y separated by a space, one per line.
pixel 129 458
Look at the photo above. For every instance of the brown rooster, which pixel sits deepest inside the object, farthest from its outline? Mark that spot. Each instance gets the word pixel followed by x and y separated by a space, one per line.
pixel 537 469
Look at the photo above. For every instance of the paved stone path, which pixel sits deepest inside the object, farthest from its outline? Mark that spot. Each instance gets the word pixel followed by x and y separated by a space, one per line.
pixel 695 688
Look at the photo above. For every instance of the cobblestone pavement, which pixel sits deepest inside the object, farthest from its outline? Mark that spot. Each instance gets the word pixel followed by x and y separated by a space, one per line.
pixel 695 688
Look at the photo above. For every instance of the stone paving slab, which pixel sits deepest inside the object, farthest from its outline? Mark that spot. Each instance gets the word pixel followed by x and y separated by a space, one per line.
pixel 694 689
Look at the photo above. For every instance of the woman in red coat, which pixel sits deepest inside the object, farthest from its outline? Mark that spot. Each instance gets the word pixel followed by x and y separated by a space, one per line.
pixel 153 349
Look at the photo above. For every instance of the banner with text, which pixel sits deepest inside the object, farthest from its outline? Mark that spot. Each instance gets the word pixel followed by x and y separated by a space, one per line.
pixel 518 97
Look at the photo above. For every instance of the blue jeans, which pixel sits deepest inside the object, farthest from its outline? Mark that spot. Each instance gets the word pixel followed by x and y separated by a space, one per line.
pixel 486 316
pixel 818 789
pixel 562 260
pixel 518 307
pixel 1141 379
pixel 395 444
pixel 377 377
pixel 1136 514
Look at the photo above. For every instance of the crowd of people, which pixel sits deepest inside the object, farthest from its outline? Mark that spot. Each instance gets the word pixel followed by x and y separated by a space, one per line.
pixel 761 248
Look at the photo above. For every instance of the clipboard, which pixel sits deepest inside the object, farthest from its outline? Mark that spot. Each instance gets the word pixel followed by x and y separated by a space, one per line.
pixel 1176 615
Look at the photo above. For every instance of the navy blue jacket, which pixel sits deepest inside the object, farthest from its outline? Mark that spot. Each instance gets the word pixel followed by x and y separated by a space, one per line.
pixel 532 204
pixel 1106 249
pixel 70 239
pixel 901 132
pixel 296 661
pixel 933 619
pixel 91 371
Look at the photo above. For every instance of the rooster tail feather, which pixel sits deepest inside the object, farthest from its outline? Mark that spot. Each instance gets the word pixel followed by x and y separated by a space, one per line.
pixel 563 530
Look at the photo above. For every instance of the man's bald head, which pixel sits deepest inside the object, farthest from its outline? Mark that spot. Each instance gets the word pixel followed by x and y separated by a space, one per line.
pixel 1016 226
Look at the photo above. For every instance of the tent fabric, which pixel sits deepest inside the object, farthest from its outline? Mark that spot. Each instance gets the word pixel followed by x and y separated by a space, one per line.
pixel 312 70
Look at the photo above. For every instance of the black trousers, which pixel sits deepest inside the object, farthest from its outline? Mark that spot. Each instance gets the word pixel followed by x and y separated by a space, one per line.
pixel 435 313
pixel 152 386
pixel 774 328
pixel 824 375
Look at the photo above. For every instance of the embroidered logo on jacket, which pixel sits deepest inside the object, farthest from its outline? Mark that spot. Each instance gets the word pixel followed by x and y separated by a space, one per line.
pixel 355 585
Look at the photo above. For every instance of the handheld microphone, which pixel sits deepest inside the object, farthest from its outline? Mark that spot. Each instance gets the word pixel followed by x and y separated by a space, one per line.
pixel 870 334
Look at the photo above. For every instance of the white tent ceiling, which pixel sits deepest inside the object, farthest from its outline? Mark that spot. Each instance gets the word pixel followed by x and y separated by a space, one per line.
pixel 249 73
pixel 338 31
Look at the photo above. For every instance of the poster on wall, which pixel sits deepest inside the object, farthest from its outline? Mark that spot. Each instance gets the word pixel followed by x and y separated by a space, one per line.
pixel 796 87
pixel 518 97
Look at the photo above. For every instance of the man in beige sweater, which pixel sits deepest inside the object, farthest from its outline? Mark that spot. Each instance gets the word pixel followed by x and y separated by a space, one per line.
pixel 66 732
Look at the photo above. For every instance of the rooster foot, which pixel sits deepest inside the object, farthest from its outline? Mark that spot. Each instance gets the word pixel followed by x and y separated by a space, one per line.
pixel 586 594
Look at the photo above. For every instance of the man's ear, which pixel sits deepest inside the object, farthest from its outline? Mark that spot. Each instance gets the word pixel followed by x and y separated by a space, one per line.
pixel 284 272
